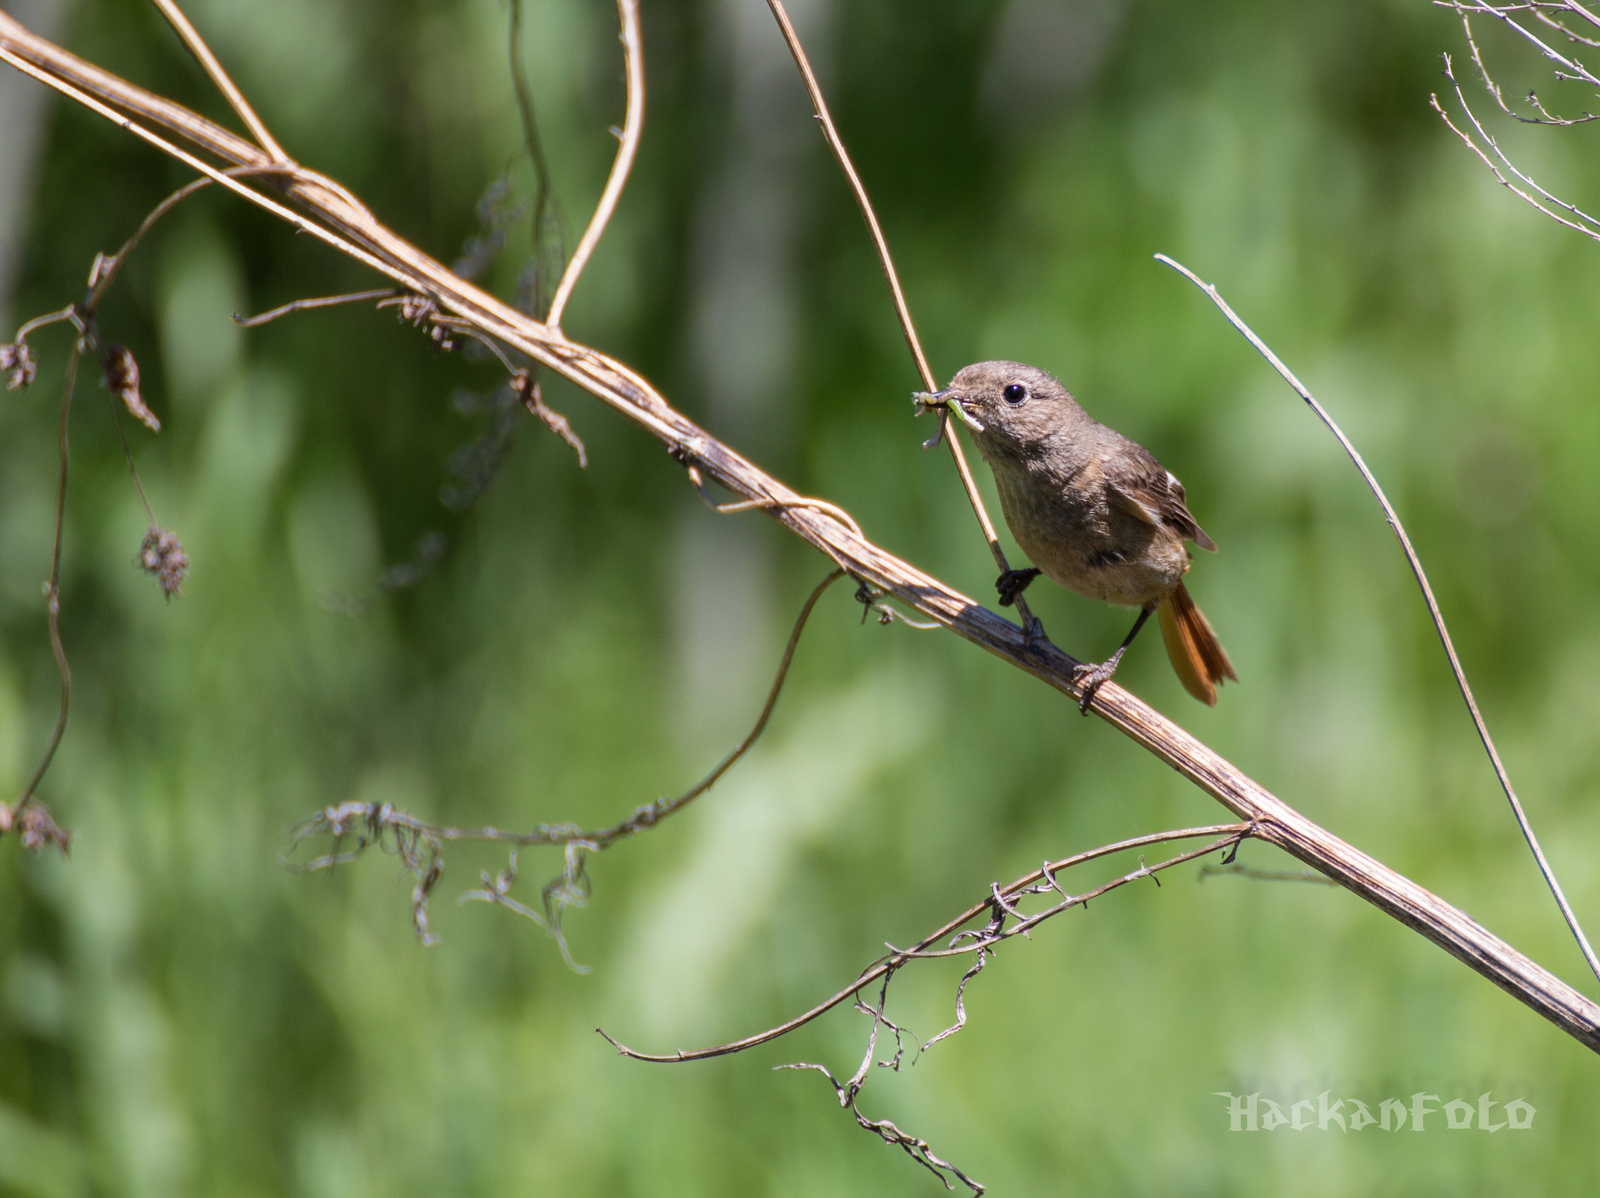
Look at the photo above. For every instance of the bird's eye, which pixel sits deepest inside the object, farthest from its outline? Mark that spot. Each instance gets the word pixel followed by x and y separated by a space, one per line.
pixel 1015 393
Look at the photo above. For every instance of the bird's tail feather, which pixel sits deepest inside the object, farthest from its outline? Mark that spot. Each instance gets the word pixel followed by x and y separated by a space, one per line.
pixel 1197 655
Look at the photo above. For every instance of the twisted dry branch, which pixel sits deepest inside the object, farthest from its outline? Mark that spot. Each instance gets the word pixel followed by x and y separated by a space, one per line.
pixel 343 222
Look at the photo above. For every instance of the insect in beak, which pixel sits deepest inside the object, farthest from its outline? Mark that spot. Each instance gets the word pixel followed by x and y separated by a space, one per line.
pixel 951 401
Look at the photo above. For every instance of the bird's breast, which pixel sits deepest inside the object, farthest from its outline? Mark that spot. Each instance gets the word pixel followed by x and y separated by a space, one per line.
pixel 1069 529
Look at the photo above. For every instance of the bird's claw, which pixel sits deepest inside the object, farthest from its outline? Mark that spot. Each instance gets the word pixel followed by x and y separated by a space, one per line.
pixel 1012 583
pixel 1094 677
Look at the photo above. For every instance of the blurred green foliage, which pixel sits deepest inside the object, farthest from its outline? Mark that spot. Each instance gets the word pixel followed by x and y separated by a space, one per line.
pixel 180 1014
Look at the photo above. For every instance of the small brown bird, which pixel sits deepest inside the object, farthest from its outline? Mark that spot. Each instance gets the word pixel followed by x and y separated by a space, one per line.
pixel 1093 510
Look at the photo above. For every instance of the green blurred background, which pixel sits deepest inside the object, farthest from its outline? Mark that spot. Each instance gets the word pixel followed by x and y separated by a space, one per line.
pixel 181 1015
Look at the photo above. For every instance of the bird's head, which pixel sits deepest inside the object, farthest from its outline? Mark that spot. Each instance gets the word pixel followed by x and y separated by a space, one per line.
pixel 1010 407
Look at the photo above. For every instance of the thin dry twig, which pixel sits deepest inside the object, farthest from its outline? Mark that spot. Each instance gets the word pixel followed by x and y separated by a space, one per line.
pixel 881 244
pixel 527 389
pixel 1568 70
pixel 547 231
pixel 915 1147
pixel 627 147
pixel 573 888
pixel 1264 875
pixel 225 85
pixel 836 144
pixel 1421 575
pixel 632 396
pixel 53 586
pixel 1001 906
pixel 1586 224
pixel 866 595
pixel 869 597
pixel 755 505
pixel 1571 70
pixel 1493 88
pixel 103 272
pixel 168 562
pixel 69 313
pixel 307 305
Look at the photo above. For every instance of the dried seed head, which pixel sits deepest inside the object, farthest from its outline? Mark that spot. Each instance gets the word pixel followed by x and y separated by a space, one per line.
pixel 18 359
pixel 122 376
pixel 416 308
pixel 163 556
pixel 419 309
pixel 39 829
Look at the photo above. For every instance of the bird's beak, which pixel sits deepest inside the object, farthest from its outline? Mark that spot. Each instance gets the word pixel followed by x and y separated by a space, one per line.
pixel 952 400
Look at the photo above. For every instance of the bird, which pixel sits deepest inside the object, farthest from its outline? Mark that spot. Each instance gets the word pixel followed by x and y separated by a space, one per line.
pixel 1093 510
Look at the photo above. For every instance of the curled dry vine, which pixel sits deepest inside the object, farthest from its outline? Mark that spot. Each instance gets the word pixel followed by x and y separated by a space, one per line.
pixel 420 845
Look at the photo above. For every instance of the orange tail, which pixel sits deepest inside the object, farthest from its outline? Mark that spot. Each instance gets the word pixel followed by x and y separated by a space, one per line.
pixel 1197 655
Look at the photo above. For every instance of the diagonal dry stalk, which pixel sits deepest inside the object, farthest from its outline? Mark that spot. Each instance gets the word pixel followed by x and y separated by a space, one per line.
pixel 341 220
pixel 976 943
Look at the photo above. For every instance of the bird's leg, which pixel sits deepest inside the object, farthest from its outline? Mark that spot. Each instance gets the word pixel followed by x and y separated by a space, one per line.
pixel 1012 583
pixel 1098 676
pixel 1032 629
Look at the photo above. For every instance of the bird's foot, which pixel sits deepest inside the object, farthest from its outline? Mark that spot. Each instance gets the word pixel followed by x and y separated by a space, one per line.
pixel 1094 677
pixel 1012 583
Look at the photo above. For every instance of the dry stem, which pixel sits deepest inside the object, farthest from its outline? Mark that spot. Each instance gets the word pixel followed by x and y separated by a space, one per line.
pixel 1585 224
pixel 82 318
pixel 421 844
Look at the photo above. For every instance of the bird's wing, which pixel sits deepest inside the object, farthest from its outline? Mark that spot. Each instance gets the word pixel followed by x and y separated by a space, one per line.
pixel 1140 486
